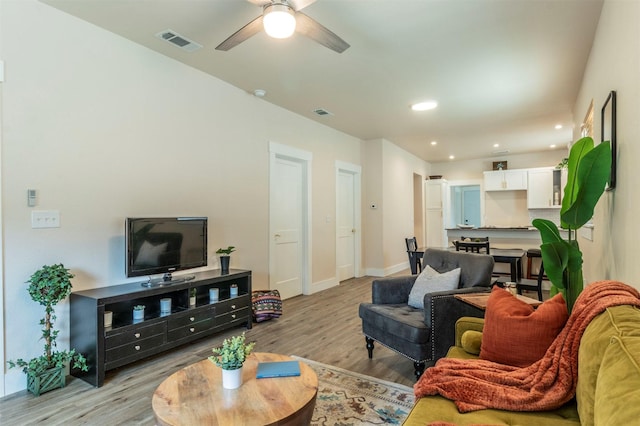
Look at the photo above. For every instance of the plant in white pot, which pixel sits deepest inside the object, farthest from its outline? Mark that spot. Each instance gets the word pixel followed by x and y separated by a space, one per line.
pixel 230 357
pixel 48 286
pixel 225 256
pixel 138 313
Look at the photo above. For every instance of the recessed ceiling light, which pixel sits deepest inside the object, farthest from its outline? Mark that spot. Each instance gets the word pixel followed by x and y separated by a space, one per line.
pixel 496 145
pixel 424 106
pixel 434 143
pixel 451 157
pixel 552 146
pixel 558 126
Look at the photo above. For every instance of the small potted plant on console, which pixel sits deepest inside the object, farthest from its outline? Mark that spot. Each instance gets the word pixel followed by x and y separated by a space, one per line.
pixel 230 357
pixel 138 313
pixel 225 256
pixel 48 286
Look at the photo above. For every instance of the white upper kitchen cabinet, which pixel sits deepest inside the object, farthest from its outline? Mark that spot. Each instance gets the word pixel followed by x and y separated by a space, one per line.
pixel 545 188
pixel 505 180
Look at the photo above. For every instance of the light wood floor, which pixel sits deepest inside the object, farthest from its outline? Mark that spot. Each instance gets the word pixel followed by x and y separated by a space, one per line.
pixel 324 327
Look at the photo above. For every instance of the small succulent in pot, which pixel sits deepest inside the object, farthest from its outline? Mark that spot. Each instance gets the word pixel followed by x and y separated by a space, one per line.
pixel 233 352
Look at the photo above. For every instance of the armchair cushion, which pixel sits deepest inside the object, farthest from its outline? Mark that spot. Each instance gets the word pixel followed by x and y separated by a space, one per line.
pixel 516 334
pixel 430 281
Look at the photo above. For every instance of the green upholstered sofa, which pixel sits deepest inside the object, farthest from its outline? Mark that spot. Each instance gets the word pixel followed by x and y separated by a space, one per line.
pixel 608 390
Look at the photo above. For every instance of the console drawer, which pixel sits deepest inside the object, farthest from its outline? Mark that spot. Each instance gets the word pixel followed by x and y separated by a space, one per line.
pixel 189 330
pixel 189 318
pixel 134 335
pixel 233 316
pixel 133 348
pixel 231 305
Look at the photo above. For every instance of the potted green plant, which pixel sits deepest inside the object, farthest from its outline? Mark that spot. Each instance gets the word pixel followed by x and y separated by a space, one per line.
pixel 588 170
pixel 48 286
pixel 192 296
pixel 225 254
pixel 138 312
pixel 230 357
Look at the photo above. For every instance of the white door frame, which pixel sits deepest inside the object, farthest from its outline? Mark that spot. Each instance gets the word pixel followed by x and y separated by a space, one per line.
pixel 356 171
pixel 276 151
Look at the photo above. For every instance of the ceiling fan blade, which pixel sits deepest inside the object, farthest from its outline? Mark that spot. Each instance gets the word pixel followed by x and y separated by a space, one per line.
pixel 249 30
pixel 317 32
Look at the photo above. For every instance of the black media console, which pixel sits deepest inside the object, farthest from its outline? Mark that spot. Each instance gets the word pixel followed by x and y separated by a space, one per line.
pixel 127 341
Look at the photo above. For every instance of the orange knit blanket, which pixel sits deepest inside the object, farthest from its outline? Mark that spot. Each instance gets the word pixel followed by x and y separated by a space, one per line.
pixel 545 385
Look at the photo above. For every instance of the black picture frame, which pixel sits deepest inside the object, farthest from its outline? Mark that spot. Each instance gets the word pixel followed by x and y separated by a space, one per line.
pixel 608 132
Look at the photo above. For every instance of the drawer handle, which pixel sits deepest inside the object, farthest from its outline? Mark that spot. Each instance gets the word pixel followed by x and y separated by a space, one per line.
pixel 137 335
pixel 192 319
pixel 137 347
pixel 233 315
pixel 233 306
pixel 192 329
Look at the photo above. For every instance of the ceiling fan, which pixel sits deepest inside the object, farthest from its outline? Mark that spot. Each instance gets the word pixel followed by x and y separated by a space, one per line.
pixel 279 19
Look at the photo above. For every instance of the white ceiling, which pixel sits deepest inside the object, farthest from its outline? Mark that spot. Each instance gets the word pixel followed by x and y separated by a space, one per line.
pixel 502 71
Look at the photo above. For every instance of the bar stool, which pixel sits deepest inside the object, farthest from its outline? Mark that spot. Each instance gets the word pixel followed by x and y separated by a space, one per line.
pixel 532 253
pixel 532 285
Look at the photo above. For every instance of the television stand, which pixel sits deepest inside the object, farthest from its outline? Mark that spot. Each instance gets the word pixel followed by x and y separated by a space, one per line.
pixel 127 341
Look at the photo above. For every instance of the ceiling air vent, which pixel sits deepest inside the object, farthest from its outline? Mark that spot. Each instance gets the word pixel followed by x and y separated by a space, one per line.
pixel 179 41
pixel 322 111
pixel 503 152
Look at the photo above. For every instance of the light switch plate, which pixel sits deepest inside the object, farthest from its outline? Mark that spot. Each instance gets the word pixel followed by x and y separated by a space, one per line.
pixel 45 219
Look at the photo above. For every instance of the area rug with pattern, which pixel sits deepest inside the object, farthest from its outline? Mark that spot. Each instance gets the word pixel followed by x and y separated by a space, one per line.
pixel 346 398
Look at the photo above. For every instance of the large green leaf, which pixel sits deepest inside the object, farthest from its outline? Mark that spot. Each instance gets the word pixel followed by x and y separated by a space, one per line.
pixel 578 150
pixel 555 256
pixel 548 230
pixel 593 172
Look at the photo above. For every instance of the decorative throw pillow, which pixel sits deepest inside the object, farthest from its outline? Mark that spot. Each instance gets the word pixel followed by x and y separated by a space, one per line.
pixel 515 333
pixel 430 281
pixel 471 341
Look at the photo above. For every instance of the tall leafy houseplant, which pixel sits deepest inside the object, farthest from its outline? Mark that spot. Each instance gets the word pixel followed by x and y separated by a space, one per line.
pixel 588 171
pixel 48 286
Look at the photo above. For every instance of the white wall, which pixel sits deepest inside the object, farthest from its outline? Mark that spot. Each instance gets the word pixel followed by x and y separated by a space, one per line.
pixel 614 64
pixel 105 129
pixel 392 190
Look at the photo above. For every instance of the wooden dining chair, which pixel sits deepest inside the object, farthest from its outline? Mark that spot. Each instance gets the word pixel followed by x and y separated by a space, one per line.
pixel 475 245
pixel 412 247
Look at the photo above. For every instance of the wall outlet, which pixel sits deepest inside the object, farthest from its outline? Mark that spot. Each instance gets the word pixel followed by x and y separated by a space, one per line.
pixel 45 219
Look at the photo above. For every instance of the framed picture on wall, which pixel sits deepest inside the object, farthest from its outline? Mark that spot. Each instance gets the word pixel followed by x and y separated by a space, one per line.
pixel 608 133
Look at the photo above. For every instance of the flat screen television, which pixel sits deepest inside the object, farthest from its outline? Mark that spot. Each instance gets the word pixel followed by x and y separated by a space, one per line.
pixel 162 245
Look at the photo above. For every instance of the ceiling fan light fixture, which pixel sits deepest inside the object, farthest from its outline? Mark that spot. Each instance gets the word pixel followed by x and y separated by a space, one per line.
pixel 279 20
pixel 424 106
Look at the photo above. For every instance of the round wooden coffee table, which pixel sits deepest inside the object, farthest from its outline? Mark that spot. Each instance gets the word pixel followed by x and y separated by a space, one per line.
pixel 195 396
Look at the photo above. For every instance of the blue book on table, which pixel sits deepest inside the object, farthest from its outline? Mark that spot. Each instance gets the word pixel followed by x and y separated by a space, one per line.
pixel 278 369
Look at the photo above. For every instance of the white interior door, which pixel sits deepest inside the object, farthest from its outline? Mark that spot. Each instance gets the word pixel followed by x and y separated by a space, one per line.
pixel 471 205
pixel 286 219
pixel 289 215
pixel 348 214
pixel 345 226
